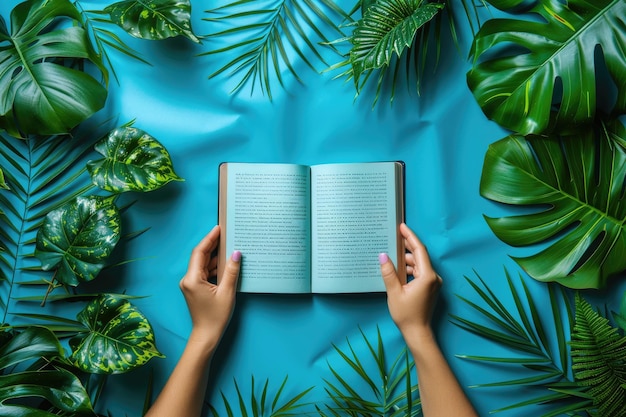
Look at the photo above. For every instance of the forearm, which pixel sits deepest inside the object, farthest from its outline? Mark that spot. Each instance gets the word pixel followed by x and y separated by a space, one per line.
pixel 184 392
pixel 440 392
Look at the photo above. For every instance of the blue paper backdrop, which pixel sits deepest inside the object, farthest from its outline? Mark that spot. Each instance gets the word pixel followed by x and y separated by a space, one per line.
pixel 441 134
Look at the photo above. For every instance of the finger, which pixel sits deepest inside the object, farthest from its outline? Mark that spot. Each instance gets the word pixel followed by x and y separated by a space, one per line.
pixel 231 272
pixel 201 254
pixel 417 248
pixel 388 271
pixel 408 258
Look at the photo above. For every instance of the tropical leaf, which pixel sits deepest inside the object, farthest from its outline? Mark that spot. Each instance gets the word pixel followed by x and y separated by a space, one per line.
pixel 543 359
pixel 530 75
pixel 41 95
pixel 133 161
pixel 3 184
pixel 599 359
pixel 391 393
pixel 388 27
pixel 43 174
pixel 119 337
pixel 153 20
pixel 577 184
pixel 77 239
pixel 620 318
pixel 21 391
pixel 277 408
pixel 265 37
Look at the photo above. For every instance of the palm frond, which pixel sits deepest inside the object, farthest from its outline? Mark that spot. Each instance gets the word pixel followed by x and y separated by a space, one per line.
pixel 598 353
pixel 524 330
pixel 43 174
pixel 257 408
pixel 268 37
pixel 391 392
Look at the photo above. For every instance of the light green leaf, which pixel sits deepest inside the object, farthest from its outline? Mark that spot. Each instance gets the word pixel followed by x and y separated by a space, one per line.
pixel 573 187
pixel 3 184
pixel 545 72
pixel 133 161
pixel 20 391
pixel 120 338
pixel 39 94
pixel 388 27
pixel 77 238
pixel 154 20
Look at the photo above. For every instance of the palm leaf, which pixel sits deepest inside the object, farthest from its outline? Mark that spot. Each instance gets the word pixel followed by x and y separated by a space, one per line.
pixel 279 406
pixel 598 355
pixel 267 35
pixel 387 396
pixel 42 175
pixel 40 94
pixel 524 330
pixel 577 184
pixel 555 72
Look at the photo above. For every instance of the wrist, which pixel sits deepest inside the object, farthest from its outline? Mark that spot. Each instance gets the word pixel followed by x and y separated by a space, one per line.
pixel 204 341
pixel 418 337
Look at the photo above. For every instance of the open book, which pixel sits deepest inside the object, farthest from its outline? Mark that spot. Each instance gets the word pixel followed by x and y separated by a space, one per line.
pixel 317 229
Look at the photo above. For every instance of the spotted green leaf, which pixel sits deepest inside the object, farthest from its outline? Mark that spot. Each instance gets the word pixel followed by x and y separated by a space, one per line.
pixel 119 339
pixel 572 189
pixel 154 20
pixel 133 161
pixel 20 390
pixel 77 238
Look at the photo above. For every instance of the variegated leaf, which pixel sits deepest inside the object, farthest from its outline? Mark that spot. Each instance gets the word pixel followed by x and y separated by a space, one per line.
pixel 133 161
pixel 77 238
pixel 154 20
pixel 120 337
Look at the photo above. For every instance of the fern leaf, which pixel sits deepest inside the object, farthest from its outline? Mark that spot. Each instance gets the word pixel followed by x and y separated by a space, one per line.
pixel 599 359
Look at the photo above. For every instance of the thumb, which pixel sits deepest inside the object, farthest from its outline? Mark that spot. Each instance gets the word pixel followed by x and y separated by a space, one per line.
pixel 231 272
pixel 388 271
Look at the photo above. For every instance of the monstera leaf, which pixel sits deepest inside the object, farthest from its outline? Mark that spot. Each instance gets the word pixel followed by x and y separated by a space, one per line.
pixel 598 352
pixel 77 239
pixel 39 94
pixel 387 27
pixel 546 67
pixel 576 185
pixel 21 391
pixel 153 20
pixel 134 161
pixel 119 339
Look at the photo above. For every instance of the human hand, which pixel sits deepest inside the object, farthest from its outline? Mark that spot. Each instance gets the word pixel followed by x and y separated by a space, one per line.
pixel 210 305
pixel 411 304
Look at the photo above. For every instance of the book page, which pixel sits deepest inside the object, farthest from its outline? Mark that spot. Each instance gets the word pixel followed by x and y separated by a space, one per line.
pixel 267 219
pixel 354 218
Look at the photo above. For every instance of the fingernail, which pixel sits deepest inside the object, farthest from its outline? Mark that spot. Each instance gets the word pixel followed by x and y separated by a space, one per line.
pixel 236 256
pixel 383 258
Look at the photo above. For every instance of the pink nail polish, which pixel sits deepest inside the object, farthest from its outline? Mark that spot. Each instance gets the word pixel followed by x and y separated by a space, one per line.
pixel 236 256
pixel 383 258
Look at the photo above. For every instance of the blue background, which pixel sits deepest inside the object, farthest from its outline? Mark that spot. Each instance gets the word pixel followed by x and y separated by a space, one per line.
pixel 441 134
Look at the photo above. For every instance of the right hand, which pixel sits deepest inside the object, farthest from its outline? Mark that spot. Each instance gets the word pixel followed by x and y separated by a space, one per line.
pixel 411 304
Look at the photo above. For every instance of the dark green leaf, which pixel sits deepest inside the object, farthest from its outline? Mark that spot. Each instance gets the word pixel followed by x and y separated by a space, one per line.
pixel 61 388
pixel 39 94
pixel 154 20
pixel 388 27
pixel 547 66
pixel 77 239
pixel 133 161
pixel 599 359
pixel 576 187
pixel 120 337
